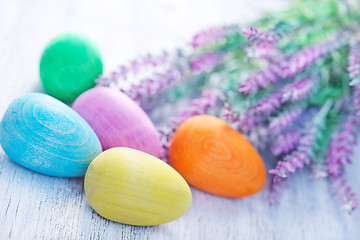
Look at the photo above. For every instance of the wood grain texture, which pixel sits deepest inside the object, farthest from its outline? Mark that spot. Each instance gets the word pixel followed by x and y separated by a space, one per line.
pixel 43 134
pixel 132 187
pixel 215 158
pixel 117 120
pixel 34 206
pixel 69 59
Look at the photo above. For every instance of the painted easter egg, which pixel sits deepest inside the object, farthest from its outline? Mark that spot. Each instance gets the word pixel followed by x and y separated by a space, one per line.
pixel 117 120
pixel 46 136
pixel 69 66
pixel 215 158
pixel 132 187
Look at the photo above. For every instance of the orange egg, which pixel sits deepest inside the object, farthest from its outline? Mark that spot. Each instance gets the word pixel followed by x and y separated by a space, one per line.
pixel 215 158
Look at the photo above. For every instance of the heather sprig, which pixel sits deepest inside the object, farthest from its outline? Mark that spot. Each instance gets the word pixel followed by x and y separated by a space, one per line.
pixel 354 71
pixel 262 79
pixel 354 63
pixel 208 36
pixel 347 197
pixel 259 114
pixel 205 62
pixel 357 99
pixel 149 76
pixel 301 89
pixel 228 114
pixel 304 152
pixel 293 92
pixel 264 44
pixel 285 119
pixel 222 38
pixel 307 56
pixel 322 143
pixel 275 191
pixel 265 51
pixel 134 68
pixel 294 64
pixel 286 142
pixel 340 148
pixel 244 120
pixel 269 104
pixel 257 38
pixel 248 122
pixel 287 133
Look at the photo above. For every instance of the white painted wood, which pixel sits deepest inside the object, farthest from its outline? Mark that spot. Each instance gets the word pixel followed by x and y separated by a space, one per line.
pixel 34 206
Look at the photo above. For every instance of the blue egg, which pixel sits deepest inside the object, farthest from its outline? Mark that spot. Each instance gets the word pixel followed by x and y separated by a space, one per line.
pixel 46 136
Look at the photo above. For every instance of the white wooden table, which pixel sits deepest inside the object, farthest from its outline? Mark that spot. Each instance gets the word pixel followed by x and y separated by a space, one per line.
pixel 34 206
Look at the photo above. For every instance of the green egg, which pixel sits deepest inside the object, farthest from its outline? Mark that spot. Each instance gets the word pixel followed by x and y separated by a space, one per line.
pixel 69 66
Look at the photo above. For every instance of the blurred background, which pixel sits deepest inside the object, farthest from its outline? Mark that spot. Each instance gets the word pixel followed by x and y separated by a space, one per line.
pixel 122 29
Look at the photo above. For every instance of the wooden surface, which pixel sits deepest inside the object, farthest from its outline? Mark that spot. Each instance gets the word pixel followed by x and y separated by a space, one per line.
pixel 34 206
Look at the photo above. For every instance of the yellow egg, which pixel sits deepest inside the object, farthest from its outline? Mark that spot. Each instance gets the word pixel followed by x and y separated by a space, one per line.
pixel 133 187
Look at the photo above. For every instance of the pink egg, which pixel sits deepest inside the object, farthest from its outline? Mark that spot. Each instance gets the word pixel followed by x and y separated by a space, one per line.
pixel 117 120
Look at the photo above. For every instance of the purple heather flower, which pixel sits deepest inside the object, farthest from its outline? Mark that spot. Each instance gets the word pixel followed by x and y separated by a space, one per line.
pixel 135 68
pixel 285 119
pixel 341 144
pixel 205 62
pixel 228 114
pixel 307 56
pixel 286 142
pixel 354 72
pixel 293 92
pixel 262 44
pixel 302 59
pixel 357 99
pixel 149 76
pixel 295 160
pixel 303 154
pixel 354 64
pixel 296 63
pixel 290 164
pixel 264 51
pixel 301 89
pixel 267 105
pixel 258 38
pixel 262 79
pixel 275 191
pixel 207 37
pixel 248 122
pixel 348 200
